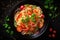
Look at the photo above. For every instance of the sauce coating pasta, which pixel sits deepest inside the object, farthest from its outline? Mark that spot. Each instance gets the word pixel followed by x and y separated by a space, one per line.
pixel 29 19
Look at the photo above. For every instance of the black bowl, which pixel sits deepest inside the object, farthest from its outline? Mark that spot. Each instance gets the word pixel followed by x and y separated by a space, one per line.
pixel 11 14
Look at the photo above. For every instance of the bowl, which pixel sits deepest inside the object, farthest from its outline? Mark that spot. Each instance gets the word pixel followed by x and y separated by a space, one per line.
pixel 11 13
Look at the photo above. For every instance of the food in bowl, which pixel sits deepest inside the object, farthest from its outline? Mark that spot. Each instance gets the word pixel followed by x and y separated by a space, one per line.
pixel 28 19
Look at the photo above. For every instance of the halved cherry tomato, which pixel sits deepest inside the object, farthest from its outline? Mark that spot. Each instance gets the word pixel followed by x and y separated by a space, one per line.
pixel 42 15
pixel 54 31
pixel 19 29
pixel 21 7
pixel 19 16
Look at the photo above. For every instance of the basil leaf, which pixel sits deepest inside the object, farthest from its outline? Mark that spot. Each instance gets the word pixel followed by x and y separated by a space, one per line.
pixel 23 20
pixel 27 19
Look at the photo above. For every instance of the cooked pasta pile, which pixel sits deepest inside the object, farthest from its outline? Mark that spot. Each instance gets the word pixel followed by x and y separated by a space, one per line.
pixel 29 19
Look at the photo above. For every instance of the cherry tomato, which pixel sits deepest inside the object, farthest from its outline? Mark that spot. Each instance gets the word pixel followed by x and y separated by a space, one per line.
pixel 54 31
pixel 50 29
pixel 19 29
pixel 22 7
pixel 53 35
pixel 42 15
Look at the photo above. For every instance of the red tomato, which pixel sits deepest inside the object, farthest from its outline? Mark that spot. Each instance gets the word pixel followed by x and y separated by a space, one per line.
pixel 42 15
pixel 21 7
pixel 53 35
pixel 19 29
pixel 54 31
pixel 50 29
pixel 19 16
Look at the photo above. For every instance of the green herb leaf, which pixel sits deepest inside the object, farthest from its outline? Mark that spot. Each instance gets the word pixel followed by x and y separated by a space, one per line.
pixel 23 20
pixel 46 6
pixel 7 18
pixel 27 19
pixel 33 17
pixel 11 32
pixel 6 25
pixel 34 6
pixel 7 31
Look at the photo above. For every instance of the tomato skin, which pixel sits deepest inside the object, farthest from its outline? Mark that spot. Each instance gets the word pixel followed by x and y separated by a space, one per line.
pixel 53 35
pixel 22 7
pixel 19 29
pixel 54 31
pixel 42 16
pixel 50 29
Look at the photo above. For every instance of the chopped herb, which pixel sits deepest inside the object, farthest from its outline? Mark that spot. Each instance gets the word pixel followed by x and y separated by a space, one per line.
pixel 15 23
pixel 55 8
pixel 9 27
pixel 51 8
pixel 33 17
pixel 6 25
pixel 27 19
pixel 7 31
pixel 23 20
pixel 11 32
pixel 46 6
pixel 50 14
pixel 7 18
pixel 27 5
pixel 34 6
